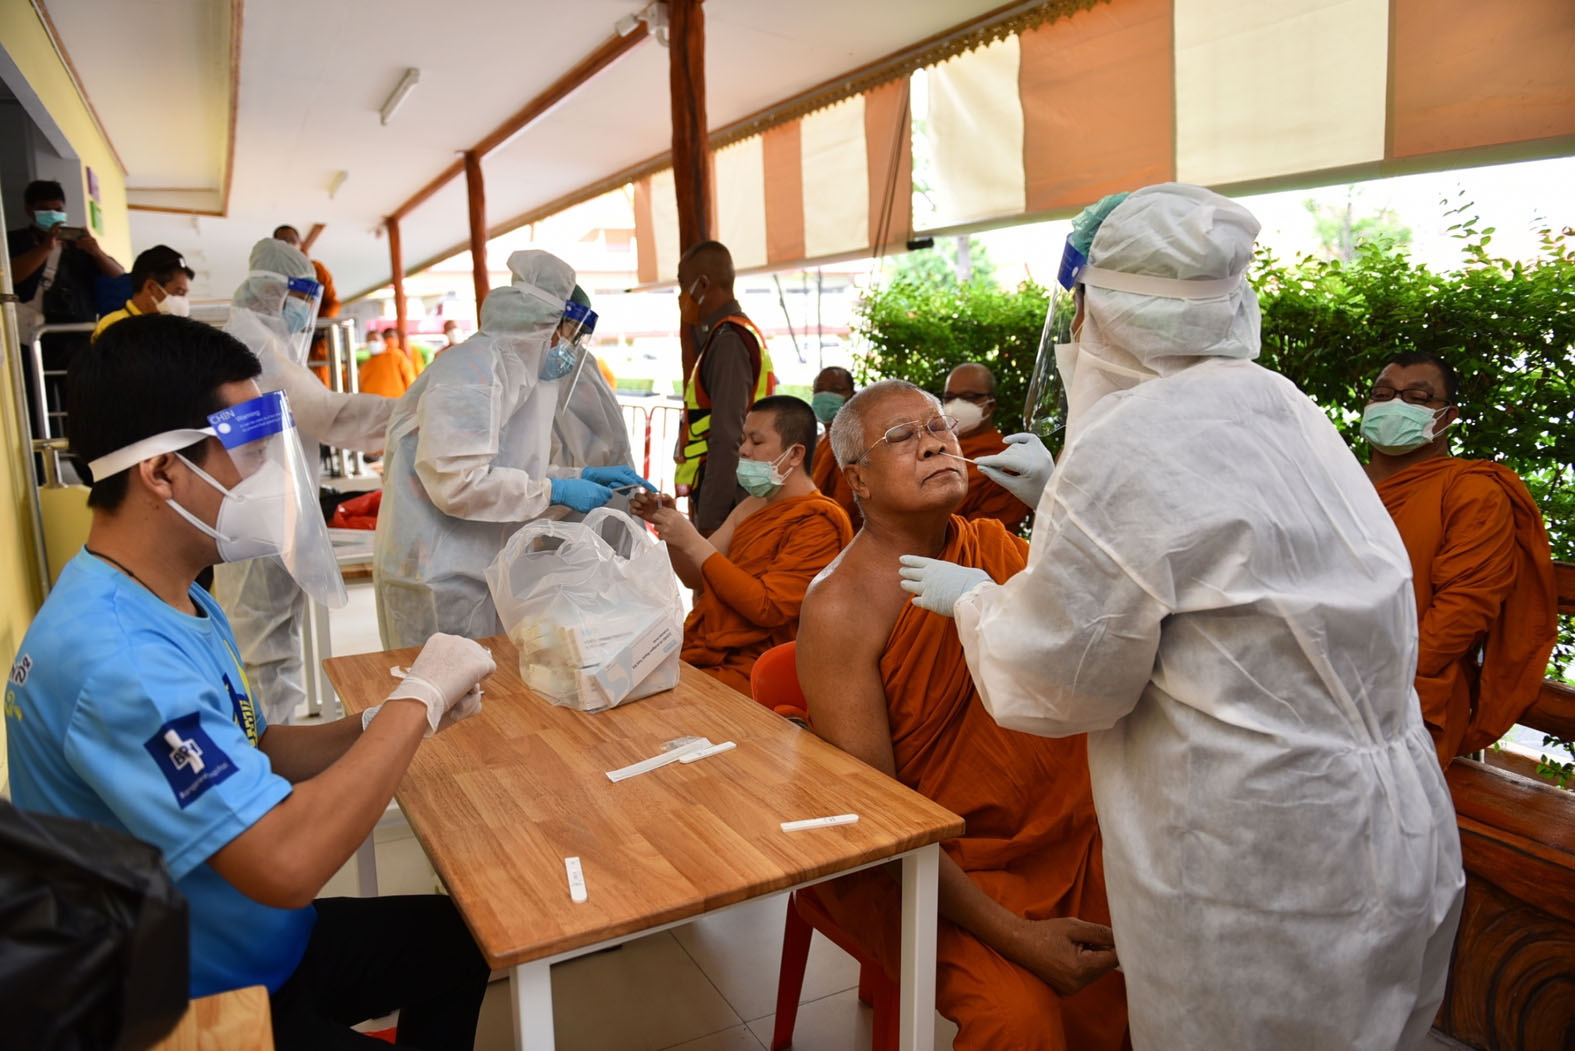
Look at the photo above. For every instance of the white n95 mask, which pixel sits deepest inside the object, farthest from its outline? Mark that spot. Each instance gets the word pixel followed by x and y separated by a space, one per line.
pixel 254 518
pixel 966 413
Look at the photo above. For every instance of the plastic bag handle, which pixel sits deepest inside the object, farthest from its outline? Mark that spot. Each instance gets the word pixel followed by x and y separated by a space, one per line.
pixel 634 529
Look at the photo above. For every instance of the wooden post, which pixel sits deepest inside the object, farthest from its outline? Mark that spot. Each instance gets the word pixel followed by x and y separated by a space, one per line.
pixel 396 259
pixel 691 153
pixel 477 194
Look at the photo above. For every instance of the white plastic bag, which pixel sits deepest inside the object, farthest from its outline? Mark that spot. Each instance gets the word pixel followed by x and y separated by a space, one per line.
pixel 593 607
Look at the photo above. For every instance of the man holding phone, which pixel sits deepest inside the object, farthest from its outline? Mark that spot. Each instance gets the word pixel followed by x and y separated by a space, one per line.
pixel 54 266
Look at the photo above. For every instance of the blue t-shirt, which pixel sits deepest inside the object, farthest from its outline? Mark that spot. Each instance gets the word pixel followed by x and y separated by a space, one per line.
pixel 124 711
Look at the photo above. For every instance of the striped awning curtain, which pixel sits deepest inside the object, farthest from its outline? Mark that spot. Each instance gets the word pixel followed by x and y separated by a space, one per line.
pixel 835 183
pixel 1233 94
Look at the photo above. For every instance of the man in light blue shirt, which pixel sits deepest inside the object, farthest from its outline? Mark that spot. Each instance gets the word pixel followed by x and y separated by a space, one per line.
pixel 128 705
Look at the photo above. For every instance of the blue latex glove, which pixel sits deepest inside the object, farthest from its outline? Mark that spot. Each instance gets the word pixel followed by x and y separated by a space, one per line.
pixel 937 585
pixel 577 494
pixel 1022 468
pixel 615 477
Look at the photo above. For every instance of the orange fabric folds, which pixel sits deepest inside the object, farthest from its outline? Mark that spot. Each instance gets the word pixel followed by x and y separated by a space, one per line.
pixel 1032 842
pixel 985 499
pixel 753 594
pixel 1483 576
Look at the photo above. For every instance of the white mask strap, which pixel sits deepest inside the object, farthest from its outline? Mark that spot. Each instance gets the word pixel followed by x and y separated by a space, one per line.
pixel 1164 287
pixel 111 464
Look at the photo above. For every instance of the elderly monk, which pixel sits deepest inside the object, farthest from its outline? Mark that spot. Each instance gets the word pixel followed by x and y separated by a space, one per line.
pixel 833 387
pixel 750 575
pixel 1022 949
pixel 970 397
pixel 1480 562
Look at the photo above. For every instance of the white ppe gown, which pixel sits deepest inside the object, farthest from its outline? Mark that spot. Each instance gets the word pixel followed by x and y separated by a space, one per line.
pixel 468 463
pixel 266 608
pixel 1217 597
pixel 589 430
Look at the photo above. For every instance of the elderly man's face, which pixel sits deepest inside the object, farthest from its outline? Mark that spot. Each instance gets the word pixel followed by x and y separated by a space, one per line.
pixel 907 466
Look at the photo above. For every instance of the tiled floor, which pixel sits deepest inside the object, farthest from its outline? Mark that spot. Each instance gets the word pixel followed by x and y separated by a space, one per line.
pixel 707 986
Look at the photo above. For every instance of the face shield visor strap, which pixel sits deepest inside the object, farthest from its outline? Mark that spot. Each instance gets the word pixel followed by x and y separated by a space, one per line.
pixel 261 438
pixel 126 457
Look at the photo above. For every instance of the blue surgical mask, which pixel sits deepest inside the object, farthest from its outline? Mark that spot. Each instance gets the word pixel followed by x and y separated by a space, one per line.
pixel 826 404
pixel 296 314
pixel 558 362
pixel 48 218
pixel 1396 428
pixel 760 477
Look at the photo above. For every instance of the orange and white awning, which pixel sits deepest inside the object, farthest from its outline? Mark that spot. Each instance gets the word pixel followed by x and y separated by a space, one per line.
pixel 1234 94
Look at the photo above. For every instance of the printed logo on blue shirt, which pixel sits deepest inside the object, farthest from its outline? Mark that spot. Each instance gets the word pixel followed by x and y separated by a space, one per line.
pixel 20 670
pixel 188 758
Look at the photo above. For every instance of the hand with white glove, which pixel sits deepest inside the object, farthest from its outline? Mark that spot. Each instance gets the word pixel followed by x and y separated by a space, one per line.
pixel 446 676
pixel 468 705
pixel 937 585
pixel 615 477
pixel 579 494
pixel 1022 468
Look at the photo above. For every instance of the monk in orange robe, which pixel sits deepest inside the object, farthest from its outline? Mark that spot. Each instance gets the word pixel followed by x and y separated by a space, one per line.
pixel 1486 601
pixel 387 372
pixel 970 396
pixel 831 390
pixel 750 575
pixel 1024 953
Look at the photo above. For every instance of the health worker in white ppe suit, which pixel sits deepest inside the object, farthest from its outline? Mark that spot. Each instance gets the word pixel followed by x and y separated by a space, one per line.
pixel 1217 600
pixel 273 312
pixel 468 458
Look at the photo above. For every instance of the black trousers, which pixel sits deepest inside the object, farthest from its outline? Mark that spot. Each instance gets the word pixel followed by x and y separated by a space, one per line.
pixel 369 956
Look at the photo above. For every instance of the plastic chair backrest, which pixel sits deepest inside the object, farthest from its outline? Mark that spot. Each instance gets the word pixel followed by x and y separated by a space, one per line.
pixel 773 681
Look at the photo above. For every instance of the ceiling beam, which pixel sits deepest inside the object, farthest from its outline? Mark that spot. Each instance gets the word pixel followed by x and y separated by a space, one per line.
pixel 612 49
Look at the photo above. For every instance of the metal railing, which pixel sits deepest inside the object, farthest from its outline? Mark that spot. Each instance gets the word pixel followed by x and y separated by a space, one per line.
pixel 653 435
pixel 43 415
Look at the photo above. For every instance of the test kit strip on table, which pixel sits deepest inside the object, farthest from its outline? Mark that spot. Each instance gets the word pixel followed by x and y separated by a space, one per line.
pixel 645 766
pixel 819 822
pixel 576 881
pixel 716 749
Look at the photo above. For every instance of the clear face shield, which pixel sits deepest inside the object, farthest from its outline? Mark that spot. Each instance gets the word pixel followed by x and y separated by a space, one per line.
pixel 297 310
pixel 273 510
pixel 1045 410
pixel 567 356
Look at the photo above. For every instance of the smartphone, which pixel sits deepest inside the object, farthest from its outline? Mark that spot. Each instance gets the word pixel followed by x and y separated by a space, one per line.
pixel 70 233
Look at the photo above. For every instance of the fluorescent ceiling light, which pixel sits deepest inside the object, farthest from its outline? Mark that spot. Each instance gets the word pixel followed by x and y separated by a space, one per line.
pixel 397 99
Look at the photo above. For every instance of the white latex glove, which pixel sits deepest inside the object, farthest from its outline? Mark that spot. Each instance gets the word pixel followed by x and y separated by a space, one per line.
pixel 1022 468
pixel 937 585
pixel 468 705
pixel 444 675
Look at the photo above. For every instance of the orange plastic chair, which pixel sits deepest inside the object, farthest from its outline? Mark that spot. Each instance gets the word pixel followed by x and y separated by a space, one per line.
pixel 774 684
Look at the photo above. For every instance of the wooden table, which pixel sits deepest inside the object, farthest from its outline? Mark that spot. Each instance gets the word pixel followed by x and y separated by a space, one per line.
pixel 238 1020
pixel 501 799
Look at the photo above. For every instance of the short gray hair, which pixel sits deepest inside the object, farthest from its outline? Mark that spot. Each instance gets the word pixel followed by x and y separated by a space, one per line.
pixel 847 427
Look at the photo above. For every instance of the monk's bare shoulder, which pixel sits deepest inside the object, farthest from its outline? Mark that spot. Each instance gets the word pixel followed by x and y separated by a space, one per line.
pixel 857 595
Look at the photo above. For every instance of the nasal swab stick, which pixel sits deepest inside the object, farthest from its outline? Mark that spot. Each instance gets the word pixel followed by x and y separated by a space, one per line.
pixel 954 456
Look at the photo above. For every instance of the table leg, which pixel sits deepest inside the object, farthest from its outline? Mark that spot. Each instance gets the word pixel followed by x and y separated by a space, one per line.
pixel 366 866
pixel 920 906
pixel 531 987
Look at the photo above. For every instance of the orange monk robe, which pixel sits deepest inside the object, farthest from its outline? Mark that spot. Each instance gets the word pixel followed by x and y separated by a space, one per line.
pixel 753 593
pixel 388 374
pixel 329 307
pixel 1483 576
pixel 1032 841
pixel 829 480
pixel 985 499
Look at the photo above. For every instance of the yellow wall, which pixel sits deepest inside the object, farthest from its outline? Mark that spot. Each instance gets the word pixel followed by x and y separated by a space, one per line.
pixel 27 42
